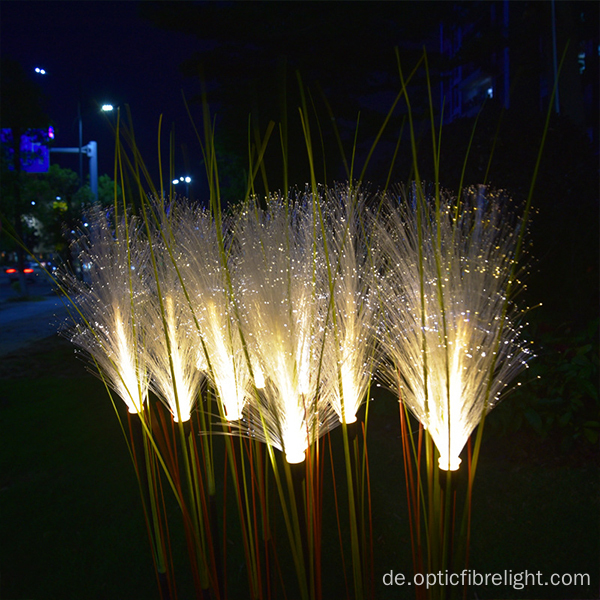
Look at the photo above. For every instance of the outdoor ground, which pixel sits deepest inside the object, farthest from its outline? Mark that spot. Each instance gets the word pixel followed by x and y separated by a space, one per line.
pixel 71 525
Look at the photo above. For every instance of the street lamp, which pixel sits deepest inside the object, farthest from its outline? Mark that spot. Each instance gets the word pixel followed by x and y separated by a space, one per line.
pixel 91 149
pixel 41 71
pixel 185 179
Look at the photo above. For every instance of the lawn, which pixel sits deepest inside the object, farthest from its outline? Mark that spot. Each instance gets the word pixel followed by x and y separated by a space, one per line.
pixel 72 527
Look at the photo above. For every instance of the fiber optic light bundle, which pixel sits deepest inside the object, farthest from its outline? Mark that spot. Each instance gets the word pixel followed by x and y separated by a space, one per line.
pixel 453 338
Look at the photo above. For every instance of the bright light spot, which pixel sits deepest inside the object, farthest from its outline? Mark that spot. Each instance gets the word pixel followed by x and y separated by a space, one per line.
pixel 295 457
pixel 201 363
pixel 259 377
pixel 40 71
pixel 107 107
pixel 188 179
pixel 349 391
pixel 181 399
pixel 223 364
pixel 51 133
pixel 450 464
pixel 127 384
pixel 490 92
pixel 175 181
pixel 33 203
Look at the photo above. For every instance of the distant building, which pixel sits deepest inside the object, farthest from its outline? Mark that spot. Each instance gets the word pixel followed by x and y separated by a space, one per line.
pixel 511 51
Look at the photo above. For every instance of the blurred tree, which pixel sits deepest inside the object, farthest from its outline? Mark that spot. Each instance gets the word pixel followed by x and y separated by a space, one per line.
pixel 21 110
pixel 55 204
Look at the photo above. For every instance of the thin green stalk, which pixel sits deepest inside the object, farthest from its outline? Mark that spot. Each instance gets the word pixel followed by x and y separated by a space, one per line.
pixel 356 561
pixel 251 559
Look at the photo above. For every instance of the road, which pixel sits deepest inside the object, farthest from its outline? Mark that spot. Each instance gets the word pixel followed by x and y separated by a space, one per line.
pixel 25 322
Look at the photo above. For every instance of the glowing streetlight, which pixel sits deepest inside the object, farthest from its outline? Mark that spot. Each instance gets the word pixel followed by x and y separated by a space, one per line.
pixel 42 71
pixel 185 179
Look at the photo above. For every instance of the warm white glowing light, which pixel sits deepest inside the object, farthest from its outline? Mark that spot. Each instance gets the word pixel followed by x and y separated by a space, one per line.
pixel 449 464
pixel 108 328
pixel 172 352
pixel 295 456
pixel 226 378
pixel 281 270
pixel 451 354
pixel 220 354
pixel 350 352
pixel 182 395
pixel 127 383
pixel 259 377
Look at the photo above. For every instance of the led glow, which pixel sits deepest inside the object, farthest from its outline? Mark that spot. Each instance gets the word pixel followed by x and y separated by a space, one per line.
pixel 281 270
pixel 216 332
pixel 449 463
pixel 295 457
pixel 110 333
pixel 259 377
pixel 171 349
pixel 223 364
pixel 450 353
pixel 182 399
pixel 350 352
pixel 127 383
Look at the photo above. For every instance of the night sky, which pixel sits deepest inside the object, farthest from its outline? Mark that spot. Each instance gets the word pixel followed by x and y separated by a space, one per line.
pixel 144 54
pixel 136 53
pixel 98 52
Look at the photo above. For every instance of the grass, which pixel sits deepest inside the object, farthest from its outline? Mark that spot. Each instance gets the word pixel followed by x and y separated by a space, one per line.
pixel 72 527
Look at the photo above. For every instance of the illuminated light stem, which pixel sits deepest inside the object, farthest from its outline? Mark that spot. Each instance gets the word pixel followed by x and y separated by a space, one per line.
pixel 181 409
pixel 125 362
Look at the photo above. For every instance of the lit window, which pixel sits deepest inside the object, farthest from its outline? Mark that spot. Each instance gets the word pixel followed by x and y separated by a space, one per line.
pixel 581 62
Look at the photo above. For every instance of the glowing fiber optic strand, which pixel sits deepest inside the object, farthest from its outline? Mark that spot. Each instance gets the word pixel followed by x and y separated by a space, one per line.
pixel 284 303
pixel 350 346
pixel 204 274
pixel 110 301
pixel 172 353
pixel 445 380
